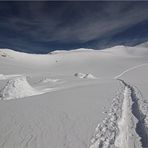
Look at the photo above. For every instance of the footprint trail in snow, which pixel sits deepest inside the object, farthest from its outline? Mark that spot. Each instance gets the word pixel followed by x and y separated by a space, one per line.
pixel 127 136
pixel 126 125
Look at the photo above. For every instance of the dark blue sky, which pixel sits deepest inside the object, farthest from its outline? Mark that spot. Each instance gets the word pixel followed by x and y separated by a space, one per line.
pixel 42 26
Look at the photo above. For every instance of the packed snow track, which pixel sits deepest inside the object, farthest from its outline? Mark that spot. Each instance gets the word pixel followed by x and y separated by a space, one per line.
pixel 126 125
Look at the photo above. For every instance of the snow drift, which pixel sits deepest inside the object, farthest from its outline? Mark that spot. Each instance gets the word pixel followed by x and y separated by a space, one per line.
pixel 17 88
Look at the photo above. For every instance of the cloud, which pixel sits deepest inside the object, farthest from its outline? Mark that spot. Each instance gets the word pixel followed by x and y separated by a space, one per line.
pixel 111 19
pixel 68 22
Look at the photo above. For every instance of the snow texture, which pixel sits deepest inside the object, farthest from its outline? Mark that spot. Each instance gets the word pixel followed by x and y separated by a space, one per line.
pixel 2 77
pixel 17 88
pixel 127 137
pixel 107 130
pixel 126 123
pixel 84 76
pixel 62 106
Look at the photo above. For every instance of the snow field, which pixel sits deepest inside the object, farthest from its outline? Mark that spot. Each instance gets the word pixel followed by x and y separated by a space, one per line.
pixel 67 118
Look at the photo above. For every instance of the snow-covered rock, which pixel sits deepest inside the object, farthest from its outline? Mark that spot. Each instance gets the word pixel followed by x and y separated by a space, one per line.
pixel 84 76
pixel 90 76
pixel 79 75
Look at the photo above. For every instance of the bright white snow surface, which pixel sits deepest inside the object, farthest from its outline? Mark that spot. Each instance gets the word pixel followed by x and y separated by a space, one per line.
pixel 127 136
pixel 18 87
pixel 74 99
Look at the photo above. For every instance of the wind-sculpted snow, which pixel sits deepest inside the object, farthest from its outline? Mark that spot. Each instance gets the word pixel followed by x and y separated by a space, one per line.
pixel 18 88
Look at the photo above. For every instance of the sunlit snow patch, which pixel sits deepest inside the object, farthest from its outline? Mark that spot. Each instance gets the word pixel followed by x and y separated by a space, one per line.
pixel 50 80
pixel 18 88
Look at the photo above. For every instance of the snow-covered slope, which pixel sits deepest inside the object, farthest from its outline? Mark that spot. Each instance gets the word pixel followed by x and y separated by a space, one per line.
pixel 139 50
pixel 143 45
pixel 74 99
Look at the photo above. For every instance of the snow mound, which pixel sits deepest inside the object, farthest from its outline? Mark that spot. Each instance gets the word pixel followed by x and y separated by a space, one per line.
pixel 84 76
pixel 17 88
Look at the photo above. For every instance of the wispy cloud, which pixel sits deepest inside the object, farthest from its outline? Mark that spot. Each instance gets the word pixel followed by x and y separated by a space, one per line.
pixel 66 22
